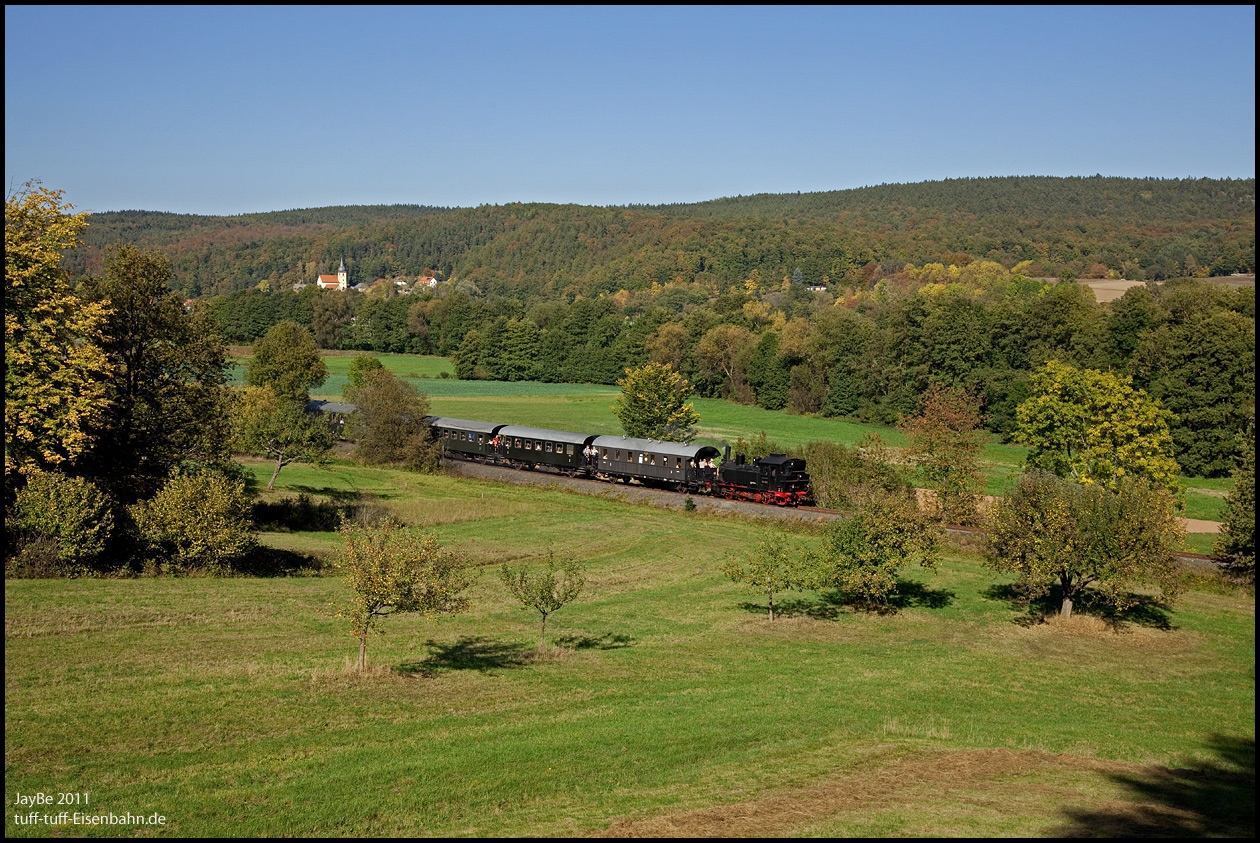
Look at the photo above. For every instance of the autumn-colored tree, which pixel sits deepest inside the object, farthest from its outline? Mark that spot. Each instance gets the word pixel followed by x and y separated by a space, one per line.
pixel 945 444
pixel 266 426
pixel 391 570
pixel 723 353
pixel 652 404
pixel 668 345
pixel 1095 427
pixel 775 566
pixel 1051 531
pixel 389 424
pixel 53 364
pixel 545 591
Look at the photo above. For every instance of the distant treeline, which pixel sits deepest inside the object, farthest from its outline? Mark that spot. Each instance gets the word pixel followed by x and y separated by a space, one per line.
pixel 1142 229
pixel 871 355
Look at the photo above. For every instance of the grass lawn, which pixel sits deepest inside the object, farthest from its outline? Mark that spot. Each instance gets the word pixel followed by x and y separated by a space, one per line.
pixel 668 704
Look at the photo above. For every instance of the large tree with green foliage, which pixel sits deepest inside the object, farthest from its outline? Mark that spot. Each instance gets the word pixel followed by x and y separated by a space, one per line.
pixel 1095 427
pixel 653 404
pixel 287 361
pixel 268 426
pixel 1050 531
pixel 165 396
pixel 53 364
pixel 1237 542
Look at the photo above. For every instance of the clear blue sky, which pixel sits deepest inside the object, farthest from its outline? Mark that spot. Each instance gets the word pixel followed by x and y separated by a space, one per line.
pixel 231 110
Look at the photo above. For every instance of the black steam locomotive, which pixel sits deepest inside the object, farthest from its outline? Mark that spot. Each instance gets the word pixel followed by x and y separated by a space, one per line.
pixel 775 479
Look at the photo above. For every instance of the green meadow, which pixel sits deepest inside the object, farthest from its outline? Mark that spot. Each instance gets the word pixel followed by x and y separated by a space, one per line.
pixel 588 408
pixel 667 703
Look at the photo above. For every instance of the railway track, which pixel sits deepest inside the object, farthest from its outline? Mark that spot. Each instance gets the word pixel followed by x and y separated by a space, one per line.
pixel 635 493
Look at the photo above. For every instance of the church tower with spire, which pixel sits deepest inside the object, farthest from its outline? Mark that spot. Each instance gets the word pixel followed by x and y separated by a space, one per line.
pixel 343 277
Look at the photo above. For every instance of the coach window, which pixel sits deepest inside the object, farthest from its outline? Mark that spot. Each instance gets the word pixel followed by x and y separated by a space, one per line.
pixel 568 450
pixel 548 448
pixel 518 443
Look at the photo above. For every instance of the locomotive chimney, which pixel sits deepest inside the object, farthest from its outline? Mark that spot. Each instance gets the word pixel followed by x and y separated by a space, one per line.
pixel 727 457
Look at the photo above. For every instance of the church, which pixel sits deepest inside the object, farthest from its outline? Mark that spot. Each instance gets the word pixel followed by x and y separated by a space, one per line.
pixel 340 281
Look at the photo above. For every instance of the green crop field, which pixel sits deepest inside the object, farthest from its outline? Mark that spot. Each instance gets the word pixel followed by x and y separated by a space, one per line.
pixel 667 704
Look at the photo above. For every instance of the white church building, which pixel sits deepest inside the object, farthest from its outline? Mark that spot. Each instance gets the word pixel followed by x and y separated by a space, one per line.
pixel 340 281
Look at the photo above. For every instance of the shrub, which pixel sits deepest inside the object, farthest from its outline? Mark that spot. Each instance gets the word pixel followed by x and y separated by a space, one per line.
pixel 68 511
pixel 196 522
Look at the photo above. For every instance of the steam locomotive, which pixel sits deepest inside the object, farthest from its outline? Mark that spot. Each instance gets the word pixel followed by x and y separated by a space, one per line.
pixel 774 479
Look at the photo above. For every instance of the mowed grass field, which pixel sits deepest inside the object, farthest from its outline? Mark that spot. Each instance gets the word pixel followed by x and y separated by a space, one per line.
pixel 669 703
pixel 588 408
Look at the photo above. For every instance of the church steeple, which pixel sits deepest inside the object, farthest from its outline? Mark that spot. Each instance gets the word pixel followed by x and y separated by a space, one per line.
pixel 343 277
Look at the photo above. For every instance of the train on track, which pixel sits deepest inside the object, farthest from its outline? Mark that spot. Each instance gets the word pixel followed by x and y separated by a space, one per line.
pixel 775 479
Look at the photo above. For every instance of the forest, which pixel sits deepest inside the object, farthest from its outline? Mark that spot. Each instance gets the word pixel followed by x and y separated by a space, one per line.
pixel 1142 229
pixel 846 303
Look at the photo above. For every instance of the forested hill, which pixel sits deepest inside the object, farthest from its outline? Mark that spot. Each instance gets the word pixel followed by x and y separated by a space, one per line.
pixel 1138 228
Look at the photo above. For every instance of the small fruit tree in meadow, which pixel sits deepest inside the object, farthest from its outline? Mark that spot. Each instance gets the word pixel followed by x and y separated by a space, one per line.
pixel 390 570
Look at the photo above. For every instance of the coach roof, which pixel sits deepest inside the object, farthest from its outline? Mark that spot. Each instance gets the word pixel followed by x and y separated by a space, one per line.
pixel 568 437
pixel 654 446
pixel 464 424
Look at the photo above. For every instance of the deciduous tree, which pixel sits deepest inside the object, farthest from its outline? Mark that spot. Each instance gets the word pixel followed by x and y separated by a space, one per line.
pixel 863 555
pixel 722 353
pixel 391 570
pixel 545 591
pixel 1237 542
pixel 362 365
pixel 287 361
pixel 1095 427
pixel 71 512
pixel 945 444
pixel 53 365
pixel 282 430
pixel 653 404
pixel 775 566
pixel 389 425
pixel 1051 531
pixel 196 522
pixel 165 397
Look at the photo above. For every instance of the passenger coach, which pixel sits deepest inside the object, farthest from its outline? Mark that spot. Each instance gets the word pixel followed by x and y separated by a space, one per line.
pixel 464 439
pixel 535 446
pixel 654 462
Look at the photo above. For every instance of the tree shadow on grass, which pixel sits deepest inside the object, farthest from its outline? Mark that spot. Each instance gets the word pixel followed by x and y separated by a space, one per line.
pixel 468 653
pixel 607 641
pixel 915 594
pixel 265 561
pixel 821 607
pixel 1213 799
pixel 1144 610
pixel 826 605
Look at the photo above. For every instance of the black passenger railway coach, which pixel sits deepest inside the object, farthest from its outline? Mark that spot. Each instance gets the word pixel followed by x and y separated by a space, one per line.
pixel 775 479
